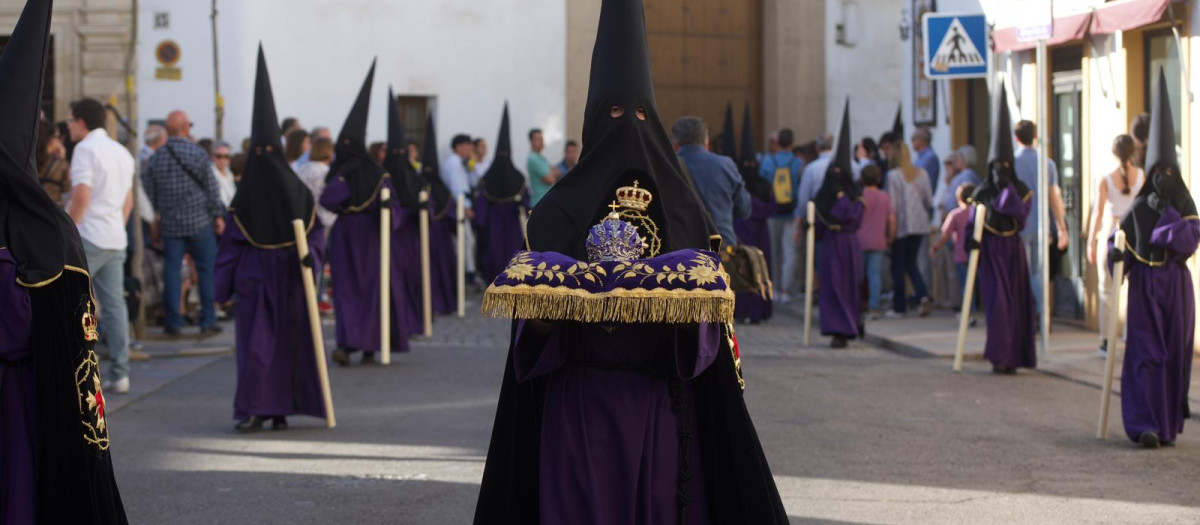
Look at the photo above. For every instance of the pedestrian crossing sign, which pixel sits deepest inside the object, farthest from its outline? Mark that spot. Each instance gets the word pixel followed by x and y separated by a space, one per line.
pixel 956 46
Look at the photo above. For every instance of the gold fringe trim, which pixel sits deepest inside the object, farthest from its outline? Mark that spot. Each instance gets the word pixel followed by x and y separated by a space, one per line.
pixel 556 303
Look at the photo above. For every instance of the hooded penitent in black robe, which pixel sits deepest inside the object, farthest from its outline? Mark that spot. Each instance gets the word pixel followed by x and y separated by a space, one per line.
pixel 839 213
pixel 1004 278
pixel 406 244
pixel 500 206
pixel 442 228
pixel 754 230
pixel 1162 232
pixel 542 466
pixel 258 264
pixel 55 464
pixel 352 190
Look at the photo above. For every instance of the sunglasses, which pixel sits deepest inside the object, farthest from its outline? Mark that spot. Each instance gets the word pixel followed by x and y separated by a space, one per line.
pixel 221 156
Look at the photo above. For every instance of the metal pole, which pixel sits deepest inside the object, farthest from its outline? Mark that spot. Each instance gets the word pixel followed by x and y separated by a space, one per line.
pixel 219 133
pixel 1043 192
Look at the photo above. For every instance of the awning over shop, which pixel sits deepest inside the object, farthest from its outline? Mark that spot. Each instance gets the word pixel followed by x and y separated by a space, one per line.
pixel 1101 19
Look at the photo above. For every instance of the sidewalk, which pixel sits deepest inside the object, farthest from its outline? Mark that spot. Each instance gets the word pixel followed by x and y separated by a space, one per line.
pixel 1072 354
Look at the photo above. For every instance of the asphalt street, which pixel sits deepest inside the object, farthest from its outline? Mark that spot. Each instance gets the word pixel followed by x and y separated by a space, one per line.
pixel 855 436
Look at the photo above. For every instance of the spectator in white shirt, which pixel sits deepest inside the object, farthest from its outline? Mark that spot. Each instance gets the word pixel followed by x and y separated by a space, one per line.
pixel 226 186
pixel 102 173
pixel 455 173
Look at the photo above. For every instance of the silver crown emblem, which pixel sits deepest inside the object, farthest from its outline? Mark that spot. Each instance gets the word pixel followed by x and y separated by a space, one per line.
pixel 614 240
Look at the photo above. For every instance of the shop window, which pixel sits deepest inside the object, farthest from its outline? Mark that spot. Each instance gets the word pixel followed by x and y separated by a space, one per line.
pixel 1162 52
pixel 414 110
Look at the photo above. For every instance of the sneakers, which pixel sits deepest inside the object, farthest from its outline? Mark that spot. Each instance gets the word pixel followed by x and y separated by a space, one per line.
pixel 211 329
pixel 325 308
pixel 926 307
pixel 120 386
pixel 1102 352
pixel 892 314
pixel 783 298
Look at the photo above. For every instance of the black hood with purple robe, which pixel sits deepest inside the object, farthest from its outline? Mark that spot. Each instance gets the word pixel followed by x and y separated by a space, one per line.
pixel 728 139
pixel 619 147
pixel 270 195
pixel 1001 168
pixel 748 165
pixel 898 124
pixel 351 160
pixel 1164 183
pixel 502 182
pixel 431 171
pixel 406 182
pixel 72 467
pixel 839 177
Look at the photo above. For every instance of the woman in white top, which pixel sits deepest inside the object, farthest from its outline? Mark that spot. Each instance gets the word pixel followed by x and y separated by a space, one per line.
pixel 1116 194
pixel 313 175
pixel 226 187
pixel 912 198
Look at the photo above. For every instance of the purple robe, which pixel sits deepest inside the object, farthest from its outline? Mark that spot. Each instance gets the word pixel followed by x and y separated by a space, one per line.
pixel 841 269
pixel 1161 319
pixel 610 437
pixel 500 236
pixel 1006 288
pixel 16 398
pixel 754 231
pixel 276 365
pixel 443 261
pixel 354 267
pixel 406 259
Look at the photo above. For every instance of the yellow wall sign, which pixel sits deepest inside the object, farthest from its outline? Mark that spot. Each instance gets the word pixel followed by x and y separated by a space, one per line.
pixel 168 54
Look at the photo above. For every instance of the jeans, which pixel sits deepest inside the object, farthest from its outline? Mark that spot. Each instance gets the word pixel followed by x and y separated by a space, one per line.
pixel 108 281
pixel 1033 255
pixel 904 263
pixel 203 248
pixel 873 260
pixel 961 269
pixel 783 253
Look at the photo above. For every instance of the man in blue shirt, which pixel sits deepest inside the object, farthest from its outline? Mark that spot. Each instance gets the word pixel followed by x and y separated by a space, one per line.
pixel 716 176
pixel 783 252
pixel 926 158
pixel 1026 166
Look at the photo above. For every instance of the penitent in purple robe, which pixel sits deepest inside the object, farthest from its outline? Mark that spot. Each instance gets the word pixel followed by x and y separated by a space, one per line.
pixel 610 434
pixel 406 259
pixel 840 269
pixel 754 231
pixel 1161 329
pixel 17 397
pixel 443 260
pixel 276 365
pixel 499 226
pixel 354 266
pixel 1007 291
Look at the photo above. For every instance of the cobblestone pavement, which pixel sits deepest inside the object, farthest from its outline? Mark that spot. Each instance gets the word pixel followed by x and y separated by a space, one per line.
pixel 861 436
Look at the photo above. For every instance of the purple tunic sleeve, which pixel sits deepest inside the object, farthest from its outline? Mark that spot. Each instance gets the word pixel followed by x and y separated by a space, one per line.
pixel 16 323
pixel 693 359
pixel 536 349
pixel 1176 234
pixel 848 213
pixel 228 253
pixel 336 193
pixel 1014 205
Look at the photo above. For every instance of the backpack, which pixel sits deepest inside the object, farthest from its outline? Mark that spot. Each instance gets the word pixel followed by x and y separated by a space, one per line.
pixel 784 190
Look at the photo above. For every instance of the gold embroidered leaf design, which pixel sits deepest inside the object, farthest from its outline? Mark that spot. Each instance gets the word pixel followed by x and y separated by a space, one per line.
pixel 702 274
pixel 589 277
pixel 518 271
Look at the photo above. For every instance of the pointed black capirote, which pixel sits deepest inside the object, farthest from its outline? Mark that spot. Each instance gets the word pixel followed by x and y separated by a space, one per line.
pixel 1164 187
pixel 623 141
pixel 502 182
pixel 431 172
pixel 352 162
pixel 839 176
pixel 270 195
pixel 898 124
pixel 748 163
pixel 406 182
pixel 1002 130
pixel 1001 173
pixel 38 233
pixel 728 139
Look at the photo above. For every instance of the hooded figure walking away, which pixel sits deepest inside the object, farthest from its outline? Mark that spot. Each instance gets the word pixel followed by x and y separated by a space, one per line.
pixel 55 464
pixel 258 265
pixel 1161 233
pixel 1004 278
pixel 500 207
pixel 839 213
pixel 352 190
pixel 621 400
pixel 406 245
pixel 442 216
pixel 755 230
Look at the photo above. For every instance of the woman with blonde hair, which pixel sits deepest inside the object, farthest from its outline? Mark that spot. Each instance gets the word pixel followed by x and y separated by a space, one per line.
pixel 912 198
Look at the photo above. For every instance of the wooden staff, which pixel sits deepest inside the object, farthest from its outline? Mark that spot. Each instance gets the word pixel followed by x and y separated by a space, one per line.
pixel 426 286
pixel 1114 332
pixel 314 319
pixel 462 255
pixel 385 276
pixel 810 251
pixel 964 319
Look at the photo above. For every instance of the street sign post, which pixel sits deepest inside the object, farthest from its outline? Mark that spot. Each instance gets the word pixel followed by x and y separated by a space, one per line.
pixel 956 46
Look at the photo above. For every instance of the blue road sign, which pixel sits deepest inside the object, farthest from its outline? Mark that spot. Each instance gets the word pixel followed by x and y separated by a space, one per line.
pixel 956 46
